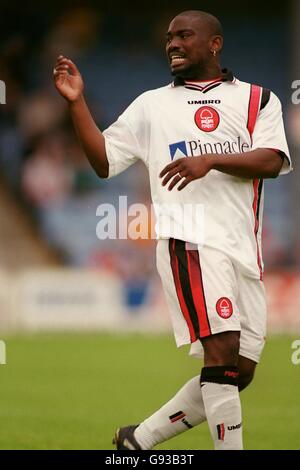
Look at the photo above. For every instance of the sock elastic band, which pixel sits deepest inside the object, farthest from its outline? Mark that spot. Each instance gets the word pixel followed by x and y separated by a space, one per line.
pixel 220 375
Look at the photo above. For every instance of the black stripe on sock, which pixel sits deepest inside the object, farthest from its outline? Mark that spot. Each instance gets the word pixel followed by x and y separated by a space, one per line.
pixel 175 415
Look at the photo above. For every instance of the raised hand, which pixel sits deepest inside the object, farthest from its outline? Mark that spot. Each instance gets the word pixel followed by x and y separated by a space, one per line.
pixel 67 79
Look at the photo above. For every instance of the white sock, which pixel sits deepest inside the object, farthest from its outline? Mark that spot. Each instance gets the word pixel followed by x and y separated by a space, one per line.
pixel 185 410
pixel 222 406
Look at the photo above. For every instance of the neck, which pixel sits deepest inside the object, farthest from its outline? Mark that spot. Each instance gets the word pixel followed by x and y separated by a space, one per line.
pixel 211 72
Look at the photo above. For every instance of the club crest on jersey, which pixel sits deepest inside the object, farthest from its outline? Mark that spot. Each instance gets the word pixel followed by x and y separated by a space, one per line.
pixel 178 150
pixel 207 118
pixel 224 307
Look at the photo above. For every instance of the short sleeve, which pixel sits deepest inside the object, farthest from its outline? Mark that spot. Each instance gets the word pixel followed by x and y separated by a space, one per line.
pixel 269 131
pixel 125 139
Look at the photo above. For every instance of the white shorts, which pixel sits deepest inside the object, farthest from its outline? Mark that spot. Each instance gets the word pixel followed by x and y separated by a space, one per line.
pixel 207 294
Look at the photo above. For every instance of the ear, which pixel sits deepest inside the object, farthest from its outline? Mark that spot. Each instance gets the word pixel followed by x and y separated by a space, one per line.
pixel 216 43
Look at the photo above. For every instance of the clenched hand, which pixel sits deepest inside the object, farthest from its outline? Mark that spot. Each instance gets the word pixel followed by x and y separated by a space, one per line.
pixel 187 169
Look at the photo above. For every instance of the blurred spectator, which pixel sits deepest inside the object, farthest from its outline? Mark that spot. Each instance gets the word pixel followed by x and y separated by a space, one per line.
pixel 47 173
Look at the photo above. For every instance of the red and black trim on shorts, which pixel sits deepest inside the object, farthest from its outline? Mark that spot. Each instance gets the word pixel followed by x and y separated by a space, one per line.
pixel 187 275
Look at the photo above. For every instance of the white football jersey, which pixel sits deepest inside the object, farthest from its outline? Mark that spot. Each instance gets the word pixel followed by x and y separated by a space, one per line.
pixel 225 116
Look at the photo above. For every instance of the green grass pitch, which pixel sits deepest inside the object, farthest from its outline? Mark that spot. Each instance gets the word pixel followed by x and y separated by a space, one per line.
pixel 70 391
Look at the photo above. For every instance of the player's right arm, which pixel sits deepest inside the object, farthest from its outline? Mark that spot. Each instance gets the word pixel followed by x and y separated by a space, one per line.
pixel 69 83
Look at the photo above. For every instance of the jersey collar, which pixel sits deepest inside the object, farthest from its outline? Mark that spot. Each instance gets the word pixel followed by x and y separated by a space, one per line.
pixel 227 76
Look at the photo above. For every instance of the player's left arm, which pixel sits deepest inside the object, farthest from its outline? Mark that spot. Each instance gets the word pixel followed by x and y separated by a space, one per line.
pixel 259 163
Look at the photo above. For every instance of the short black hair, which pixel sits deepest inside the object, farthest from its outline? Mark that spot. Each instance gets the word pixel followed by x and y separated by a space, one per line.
pixel 210 20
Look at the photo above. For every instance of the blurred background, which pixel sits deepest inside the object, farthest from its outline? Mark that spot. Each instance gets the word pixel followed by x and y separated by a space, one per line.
pixel 56 275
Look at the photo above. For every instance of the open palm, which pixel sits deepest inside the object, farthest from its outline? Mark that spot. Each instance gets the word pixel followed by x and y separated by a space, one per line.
pixel 67 79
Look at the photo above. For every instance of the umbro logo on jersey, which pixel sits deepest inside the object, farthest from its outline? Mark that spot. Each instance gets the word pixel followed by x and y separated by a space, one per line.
pixel 204 102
